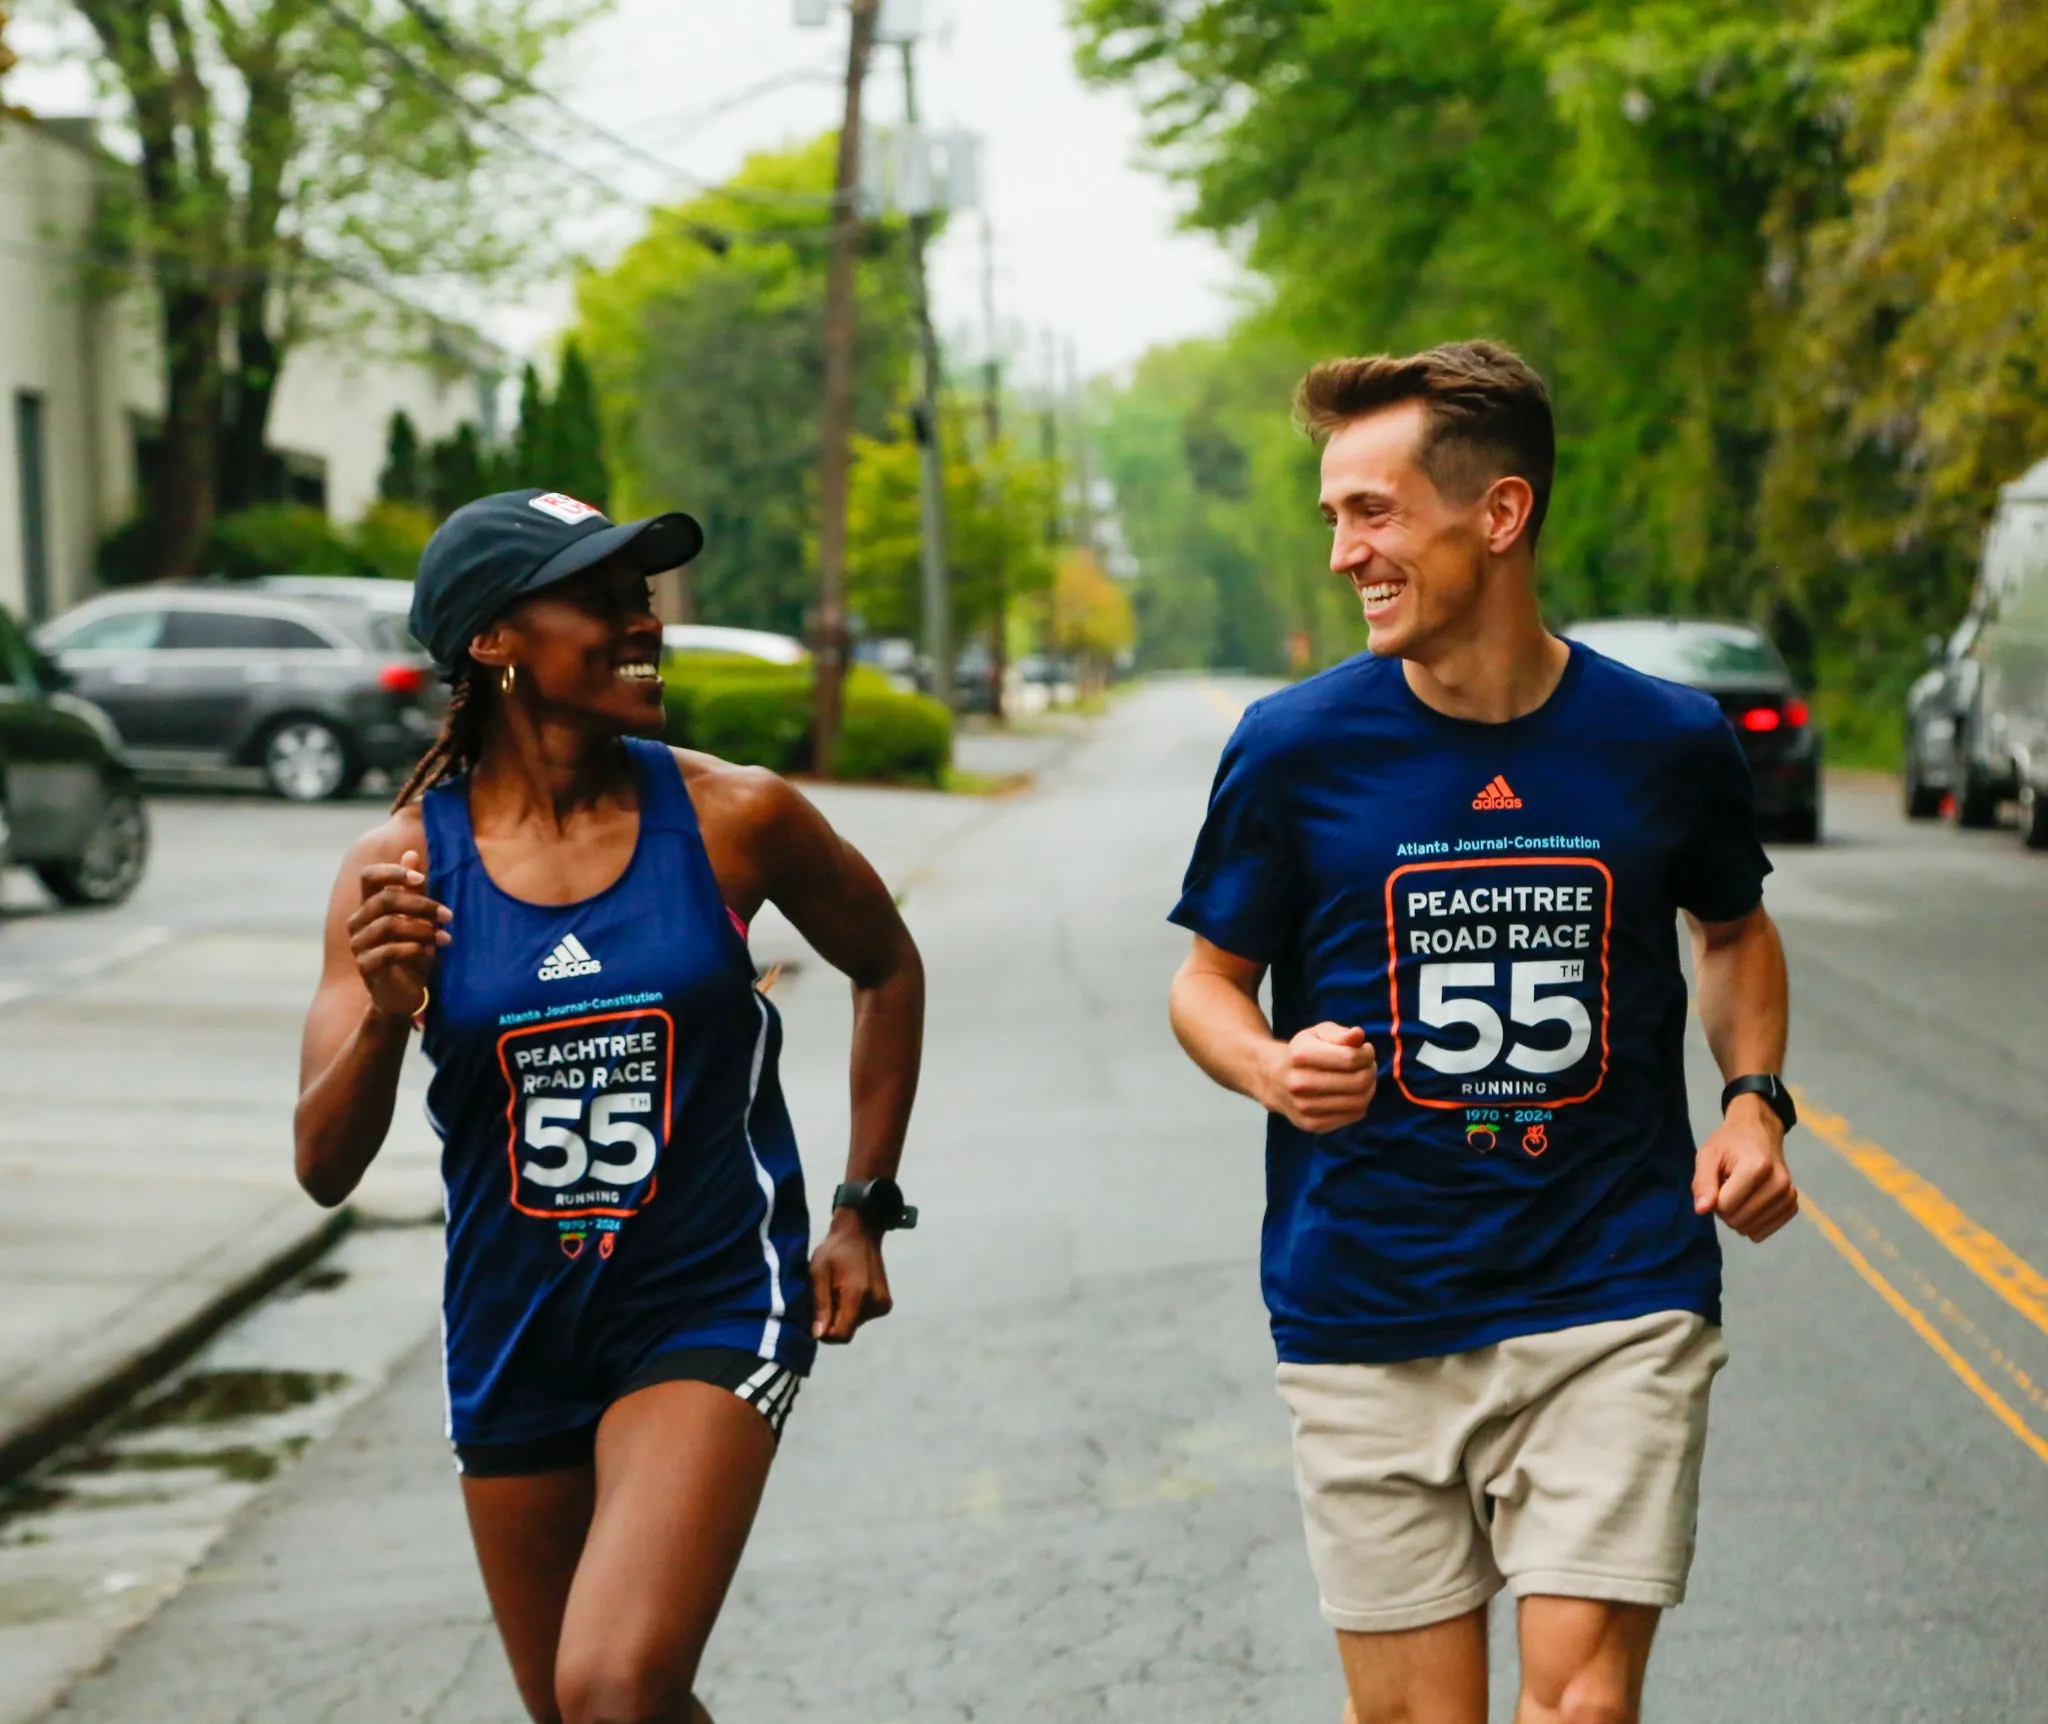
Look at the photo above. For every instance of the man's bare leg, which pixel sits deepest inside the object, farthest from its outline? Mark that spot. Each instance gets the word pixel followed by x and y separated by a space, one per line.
pixel 1583 1660
pixel 1434 1675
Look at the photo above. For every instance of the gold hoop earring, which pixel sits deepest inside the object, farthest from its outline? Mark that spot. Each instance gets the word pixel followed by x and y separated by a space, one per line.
pixel 508 679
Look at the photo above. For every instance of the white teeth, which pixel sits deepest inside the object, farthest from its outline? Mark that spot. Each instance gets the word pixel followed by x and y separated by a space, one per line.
pixel 638 672
pixel 1380 594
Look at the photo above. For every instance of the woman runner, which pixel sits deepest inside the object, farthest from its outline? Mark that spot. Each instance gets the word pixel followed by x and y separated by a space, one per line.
pixel 560 903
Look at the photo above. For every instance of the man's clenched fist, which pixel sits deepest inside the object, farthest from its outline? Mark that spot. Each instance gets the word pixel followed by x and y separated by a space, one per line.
pixel 1323 1079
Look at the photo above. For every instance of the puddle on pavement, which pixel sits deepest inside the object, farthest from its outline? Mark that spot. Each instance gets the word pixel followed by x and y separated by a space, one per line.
pixel 114 1467
pixel 321 1280
pixel 103 1531
pixel 220 1397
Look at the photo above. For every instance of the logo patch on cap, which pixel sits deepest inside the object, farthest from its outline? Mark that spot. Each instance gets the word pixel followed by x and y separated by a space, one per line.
pixel 564 509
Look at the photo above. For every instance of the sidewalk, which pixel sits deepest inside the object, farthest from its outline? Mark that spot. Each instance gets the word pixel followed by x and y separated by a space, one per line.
pixel 145 1132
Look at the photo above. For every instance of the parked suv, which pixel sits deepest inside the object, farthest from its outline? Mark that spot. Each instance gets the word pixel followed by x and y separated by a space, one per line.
pixel 69 805
pixel 1977 723
pixel 1939 706
pixel 314 688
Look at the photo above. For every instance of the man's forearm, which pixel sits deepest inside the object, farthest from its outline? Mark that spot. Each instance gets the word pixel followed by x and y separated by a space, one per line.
pixel 1224 1032
pixel 1743 995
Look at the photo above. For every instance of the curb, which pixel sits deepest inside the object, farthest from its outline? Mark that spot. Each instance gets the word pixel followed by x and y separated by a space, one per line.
pixel 77 1409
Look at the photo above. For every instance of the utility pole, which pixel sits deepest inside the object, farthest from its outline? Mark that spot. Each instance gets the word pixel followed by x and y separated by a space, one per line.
pixel 835 458
pixel 931 463
pixel 1084 480
pixel 992 416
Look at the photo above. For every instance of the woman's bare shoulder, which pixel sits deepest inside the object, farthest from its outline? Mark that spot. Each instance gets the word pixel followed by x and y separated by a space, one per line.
pixel 405 829
pixel 747 798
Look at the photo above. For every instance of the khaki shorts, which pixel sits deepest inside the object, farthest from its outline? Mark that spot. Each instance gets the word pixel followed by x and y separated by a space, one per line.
pixel 1565 1464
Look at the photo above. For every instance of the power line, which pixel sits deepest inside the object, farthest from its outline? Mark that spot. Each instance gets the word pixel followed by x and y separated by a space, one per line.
pixel 716 240
pixel 513 79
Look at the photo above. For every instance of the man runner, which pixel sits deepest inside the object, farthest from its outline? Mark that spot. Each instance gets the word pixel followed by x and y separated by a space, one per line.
pixel 1489 1248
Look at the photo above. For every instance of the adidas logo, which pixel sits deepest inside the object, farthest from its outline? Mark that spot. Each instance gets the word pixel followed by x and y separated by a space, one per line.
pixel 570 959
pixel 1497 795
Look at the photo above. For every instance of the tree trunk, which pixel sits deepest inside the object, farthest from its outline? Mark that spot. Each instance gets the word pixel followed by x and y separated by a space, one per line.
pixel 249 473
pixel 182 491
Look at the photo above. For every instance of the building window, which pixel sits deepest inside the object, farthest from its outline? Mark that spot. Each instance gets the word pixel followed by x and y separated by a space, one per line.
pixel 31 449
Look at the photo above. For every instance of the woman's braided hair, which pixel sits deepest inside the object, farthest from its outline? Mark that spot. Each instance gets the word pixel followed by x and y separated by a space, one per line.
pixel 461 742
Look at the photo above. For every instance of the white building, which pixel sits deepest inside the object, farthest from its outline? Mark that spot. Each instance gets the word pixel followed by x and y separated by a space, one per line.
pixel 81 384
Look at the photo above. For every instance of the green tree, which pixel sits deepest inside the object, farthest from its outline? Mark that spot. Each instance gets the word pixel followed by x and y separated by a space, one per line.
pixel 1916 378
pixel 459 470
pixel 1657 201
pixel 533 457
pixel 402 479
pixel 996 507
pixel 579 432
pixel 286 152
pixel 705 344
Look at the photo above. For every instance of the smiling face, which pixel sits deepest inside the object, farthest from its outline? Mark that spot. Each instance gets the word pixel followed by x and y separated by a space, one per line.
pixel 1416 558
pixel 586 648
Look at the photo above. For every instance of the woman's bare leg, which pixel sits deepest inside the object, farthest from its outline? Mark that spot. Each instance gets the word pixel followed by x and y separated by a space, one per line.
pixel 680 1471
pixel 529 1533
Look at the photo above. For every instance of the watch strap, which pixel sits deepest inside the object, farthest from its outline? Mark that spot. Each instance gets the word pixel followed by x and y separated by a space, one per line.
pixel 1771 1087
pixel 858 1195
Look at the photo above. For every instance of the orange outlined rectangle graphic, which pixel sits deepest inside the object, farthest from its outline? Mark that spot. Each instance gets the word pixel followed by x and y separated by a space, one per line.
pixel 1488 1007
pixel 568 1141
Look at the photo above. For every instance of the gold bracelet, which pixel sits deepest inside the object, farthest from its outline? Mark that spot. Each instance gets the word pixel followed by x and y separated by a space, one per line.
pixel 419 1016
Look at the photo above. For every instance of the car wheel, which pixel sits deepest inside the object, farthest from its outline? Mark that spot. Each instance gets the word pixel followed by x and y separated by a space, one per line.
pixel 1976 797
pixel 2033 816
pixel 113 859
pixel 1922 801
pixel 308 760
pixel 1802 827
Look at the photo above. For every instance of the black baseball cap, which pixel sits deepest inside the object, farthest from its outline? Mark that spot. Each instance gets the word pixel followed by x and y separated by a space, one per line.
pixel 499 548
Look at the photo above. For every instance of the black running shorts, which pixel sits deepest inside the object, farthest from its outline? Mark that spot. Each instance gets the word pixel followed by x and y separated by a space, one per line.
pixel 769 1388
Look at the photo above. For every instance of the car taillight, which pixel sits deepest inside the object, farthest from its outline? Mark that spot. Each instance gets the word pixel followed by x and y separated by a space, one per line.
pixel 401 679
pixel 1761 718
pixel 1795 714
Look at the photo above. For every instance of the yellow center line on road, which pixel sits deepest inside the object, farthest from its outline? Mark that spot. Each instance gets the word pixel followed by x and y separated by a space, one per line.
pixel 1231 709
pixel 1918 1320
pixel 1977 1248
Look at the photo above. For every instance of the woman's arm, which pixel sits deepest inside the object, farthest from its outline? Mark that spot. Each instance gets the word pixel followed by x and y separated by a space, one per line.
pixel 382 933
pixel 839 904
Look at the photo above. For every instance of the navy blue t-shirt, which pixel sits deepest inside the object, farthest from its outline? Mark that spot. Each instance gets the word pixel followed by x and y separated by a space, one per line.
pixel 1495 906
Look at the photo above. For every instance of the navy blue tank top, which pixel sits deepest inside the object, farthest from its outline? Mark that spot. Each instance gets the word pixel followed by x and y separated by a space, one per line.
pixel 620 1172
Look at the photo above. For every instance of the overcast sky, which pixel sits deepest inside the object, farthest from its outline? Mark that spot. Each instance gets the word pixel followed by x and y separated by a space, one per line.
pixel 1085 237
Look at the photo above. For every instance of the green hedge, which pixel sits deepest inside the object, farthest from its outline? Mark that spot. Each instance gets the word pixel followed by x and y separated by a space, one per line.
pixel 757 714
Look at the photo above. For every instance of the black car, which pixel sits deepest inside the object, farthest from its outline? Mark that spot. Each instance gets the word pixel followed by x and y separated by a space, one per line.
pixel 314 688
pixel 1740 668
pixel 69 804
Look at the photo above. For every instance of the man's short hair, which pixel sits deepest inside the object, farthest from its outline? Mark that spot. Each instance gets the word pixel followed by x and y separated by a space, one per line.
pixel 1486 414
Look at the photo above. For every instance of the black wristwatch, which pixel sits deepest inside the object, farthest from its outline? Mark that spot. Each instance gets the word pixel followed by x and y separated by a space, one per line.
pixel 1772 1088
pixel 878 1202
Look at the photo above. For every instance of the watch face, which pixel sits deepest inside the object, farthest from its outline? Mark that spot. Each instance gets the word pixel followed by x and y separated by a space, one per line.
pixel 884 1204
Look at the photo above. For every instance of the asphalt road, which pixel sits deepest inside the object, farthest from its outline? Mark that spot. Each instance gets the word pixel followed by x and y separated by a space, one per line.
pixel 1055 1486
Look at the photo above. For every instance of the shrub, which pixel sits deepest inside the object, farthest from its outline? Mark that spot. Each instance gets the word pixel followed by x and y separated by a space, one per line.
pixel 389 538
pixel 758 714
pixel 891 735
pixel 279 539
pixel 754 721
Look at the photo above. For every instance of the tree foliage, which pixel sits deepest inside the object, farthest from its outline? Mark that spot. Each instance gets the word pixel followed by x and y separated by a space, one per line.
pixel 997 503
pixel 1780 263
pixel 705 341
pixel 287 153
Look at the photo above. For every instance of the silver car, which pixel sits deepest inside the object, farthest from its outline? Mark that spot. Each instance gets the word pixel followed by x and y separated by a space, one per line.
pixel 313 688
